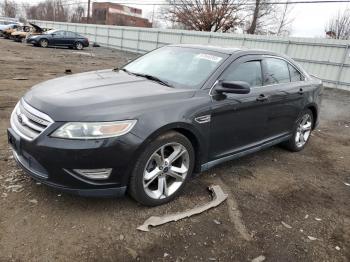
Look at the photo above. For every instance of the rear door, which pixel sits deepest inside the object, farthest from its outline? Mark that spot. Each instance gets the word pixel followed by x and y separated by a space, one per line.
pixel 70 38
pixel 285 91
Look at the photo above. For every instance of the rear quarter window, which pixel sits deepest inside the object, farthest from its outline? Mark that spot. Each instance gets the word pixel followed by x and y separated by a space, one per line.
pixel 295 75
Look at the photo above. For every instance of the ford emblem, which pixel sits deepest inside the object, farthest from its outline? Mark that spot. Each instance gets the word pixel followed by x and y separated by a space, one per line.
pixel 20 119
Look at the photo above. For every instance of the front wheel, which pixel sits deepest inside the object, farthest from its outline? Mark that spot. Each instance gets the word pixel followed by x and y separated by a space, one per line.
pixel 301 133
pixel 162 170
pixel 44 43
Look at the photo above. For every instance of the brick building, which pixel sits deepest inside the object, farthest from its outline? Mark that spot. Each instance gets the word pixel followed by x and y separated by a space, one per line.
pixel 107 13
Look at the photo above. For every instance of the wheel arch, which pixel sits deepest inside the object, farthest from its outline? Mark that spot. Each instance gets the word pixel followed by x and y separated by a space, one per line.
pixel 43 38
pixel 78 41
pixel 186 130
pixel 314 109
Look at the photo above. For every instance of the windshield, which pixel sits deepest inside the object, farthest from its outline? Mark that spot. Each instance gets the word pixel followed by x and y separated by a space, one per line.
pixel 180 66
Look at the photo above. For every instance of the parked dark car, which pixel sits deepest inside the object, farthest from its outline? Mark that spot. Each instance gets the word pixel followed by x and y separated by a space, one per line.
pixel 59 38
pixel 148 126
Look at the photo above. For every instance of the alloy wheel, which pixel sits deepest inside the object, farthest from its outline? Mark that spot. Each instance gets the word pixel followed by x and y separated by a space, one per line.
pixel 303 130
pixel 166 170
pixel 79 46
pixel 44 43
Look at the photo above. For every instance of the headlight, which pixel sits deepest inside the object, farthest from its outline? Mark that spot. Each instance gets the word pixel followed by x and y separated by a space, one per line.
pixel 90 130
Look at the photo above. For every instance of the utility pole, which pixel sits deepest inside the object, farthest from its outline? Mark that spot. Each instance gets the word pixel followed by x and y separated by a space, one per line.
pixel 153 16
pixel 88 12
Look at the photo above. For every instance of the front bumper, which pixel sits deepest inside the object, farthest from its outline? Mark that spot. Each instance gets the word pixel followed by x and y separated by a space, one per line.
pixel 52 162
pixel 32 41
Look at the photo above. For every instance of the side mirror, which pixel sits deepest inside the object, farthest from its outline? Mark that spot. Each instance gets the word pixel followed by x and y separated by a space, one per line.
pixel 233 87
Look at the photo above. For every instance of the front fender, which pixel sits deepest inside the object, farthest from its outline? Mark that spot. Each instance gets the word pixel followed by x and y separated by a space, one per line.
pixel 193 133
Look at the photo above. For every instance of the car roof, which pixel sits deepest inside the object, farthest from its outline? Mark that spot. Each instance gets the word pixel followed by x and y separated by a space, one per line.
pixel 228 49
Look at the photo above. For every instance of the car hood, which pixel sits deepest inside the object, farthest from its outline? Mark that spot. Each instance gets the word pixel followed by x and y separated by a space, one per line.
pixel 37 28
pixel 101 96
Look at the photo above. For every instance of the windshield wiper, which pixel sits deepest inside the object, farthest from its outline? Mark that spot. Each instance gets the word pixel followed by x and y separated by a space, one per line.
pixel 154 78
pixel 150 77
pixel 122 69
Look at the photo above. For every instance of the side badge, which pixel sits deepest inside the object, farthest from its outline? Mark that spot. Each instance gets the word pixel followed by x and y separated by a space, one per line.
pixel 203 119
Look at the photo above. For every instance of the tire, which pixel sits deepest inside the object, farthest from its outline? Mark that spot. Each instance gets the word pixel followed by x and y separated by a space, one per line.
pixel 153 181
pixel 78 46
pixel 301 132
pixel 44 43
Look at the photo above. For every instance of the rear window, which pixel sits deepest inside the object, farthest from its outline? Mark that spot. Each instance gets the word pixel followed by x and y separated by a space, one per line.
pixel 295 75
pixel 71 34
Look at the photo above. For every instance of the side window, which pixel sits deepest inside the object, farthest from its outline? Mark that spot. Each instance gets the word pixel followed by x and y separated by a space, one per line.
pixel 59 33
pixel 249 72
pixel 71 34
pixel 295 75
pixel 276 71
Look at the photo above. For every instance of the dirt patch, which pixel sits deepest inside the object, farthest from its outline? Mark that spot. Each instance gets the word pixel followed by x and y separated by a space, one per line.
pixel 305 190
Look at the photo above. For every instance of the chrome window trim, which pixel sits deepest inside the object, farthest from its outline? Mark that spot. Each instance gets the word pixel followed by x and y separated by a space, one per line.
pixel 215 83
pixel 265 56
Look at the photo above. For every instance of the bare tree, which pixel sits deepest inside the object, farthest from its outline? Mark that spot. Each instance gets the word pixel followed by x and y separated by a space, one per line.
pixel 78 14
pixel 282 20
pixel 9 8
pixel 261 13
pixel 269 18
pixel 52 10
pixel 338 27
pixel 206 15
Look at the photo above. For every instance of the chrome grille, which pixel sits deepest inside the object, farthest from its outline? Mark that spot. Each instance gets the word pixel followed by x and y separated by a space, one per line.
pixel 28 122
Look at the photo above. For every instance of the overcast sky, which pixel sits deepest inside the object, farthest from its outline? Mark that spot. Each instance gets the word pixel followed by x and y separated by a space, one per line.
pixel 309 19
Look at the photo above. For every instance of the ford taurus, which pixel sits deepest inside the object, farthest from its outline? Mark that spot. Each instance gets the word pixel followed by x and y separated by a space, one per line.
pixel 146 127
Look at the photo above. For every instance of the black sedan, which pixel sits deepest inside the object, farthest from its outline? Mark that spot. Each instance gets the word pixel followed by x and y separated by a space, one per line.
pixel 59 38
pixel 145 128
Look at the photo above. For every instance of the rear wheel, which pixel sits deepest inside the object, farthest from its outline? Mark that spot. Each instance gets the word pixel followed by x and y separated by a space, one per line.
pixel 44 43
pixel 162 170
pixel 78 46
pixel 302 132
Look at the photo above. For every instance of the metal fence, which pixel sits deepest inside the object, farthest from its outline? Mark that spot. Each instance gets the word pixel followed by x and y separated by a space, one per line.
pixel 327 59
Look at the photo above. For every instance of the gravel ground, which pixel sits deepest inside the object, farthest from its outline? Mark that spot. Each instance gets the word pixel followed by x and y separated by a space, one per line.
pixel 282 206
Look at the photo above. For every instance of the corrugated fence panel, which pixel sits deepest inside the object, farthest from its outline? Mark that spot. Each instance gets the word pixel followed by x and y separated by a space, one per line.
pixel 225 41
pixel 169 37
pixel 326 58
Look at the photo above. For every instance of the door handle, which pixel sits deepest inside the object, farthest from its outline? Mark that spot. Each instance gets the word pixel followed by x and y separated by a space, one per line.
pixel 301 91
pixel 262 98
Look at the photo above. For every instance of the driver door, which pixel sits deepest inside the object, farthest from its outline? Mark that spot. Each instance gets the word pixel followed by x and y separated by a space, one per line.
pixel 238 121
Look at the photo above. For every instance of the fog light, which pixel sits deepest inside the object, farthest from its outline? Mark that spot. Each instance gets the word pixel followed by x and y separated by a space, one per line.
pixel 97 174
